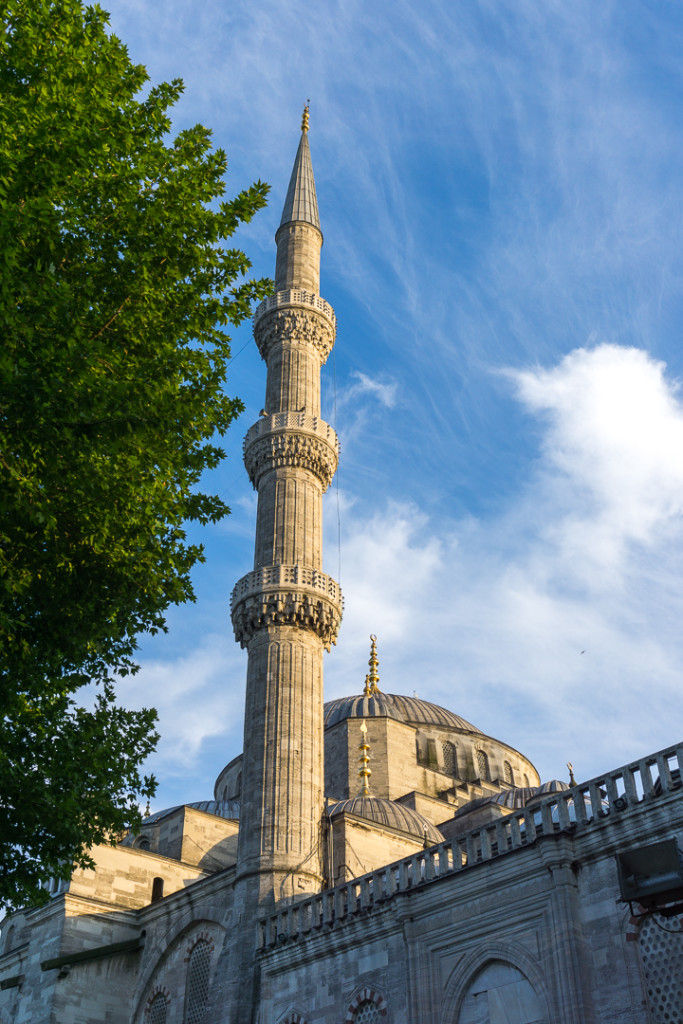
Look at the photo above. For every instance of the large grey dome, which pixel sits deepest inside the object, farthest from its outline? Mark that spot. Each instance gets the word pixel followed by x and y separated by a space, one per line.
pixel 386 812
pixel 390 705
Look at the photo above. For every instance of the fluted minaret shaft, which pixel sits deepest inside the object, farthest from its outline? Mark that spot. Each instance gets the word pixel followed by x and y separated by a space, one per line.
pixel 287 611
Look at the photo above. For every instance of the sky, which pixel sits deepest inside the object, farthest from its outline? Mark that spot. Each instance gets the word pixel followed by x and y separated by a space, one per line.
pixel 499 185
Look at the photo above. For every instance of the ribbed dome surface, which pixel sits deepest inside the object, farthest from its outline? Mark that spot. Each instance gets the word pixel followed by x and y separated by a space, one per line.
pixel 390 705
pixel 221 808
pixel 386 812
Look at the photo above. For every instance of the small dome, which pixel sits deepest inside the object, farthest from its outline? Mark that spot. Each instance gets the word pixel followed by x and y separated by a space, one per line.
pixel 554 786
pixel 386 812
pixel 514 799
pixel 221 808
pixel 388 705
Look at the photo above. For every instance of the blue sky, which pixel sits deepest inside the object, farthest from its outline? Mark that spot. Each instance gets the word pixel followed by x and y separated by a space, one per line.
pixel 500 190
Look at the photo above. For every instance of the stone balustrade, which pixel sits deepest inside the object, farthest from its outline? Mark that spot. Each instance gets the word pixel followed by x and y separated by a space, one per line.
pixel 291 421
pixel 295 297
pixel 602 799
pixel 286 595
pixel 283 577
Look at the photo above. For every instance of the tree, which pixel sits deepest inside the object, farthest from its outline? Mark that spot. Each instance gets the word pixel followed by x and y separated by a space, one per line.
pixel 115 290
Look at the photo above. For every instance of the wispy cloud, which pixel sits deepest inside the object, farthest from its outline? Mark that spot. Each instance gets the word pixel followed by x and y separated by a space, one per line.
pixel 546 625
pixel 499 185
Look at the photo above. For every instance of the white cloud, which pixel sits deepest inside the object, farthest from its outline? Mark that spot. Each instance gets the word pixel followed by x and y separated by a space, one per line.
pixel 557 625
pixel 198 697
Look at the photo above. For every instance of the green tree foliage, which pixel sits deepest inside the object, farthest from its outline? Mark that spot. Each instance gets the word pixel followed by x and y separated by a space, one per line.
pixel 115 289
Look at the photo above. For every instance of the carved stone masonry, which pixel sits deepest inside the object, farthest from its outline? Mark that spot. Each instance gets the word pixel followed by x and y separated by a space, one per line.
pixel 302 607
pixel 305 450
pixel 294 324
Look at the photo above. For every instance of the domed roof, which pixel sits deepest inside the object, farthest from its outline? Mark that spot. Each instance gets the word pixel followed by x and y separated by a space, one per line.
pixel 221 808
pixel 514 799
pixel 391 705
pixel 386 812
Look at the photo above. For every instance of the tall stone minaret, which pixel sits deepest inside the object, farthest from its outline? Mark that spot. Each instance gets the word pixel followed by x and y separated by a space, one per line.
pixel 286 612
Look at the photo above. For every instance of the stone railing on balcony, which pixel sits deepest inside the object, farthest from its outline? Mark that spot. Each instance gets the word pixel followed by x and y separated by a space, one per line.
pixel 286 595
pixel 295 297
pixel 617 794
pixel 283 577
pixel 291 421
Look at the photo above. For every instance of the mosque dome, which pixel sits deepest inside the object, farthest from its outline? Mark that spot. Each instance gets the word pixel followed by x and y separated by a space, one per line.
pixel 220 808
pixel 386 812
pixel 410 710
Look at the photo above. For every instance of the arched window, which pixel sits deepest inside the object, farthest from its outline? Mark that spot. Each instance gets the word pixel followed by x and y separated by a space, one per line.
pixel 367 1008
pixel 157 1010
pixel 507 773
pixel 526 781
pixel 157 889
pixel 143 844
pixel 197 990
pixel 450 759
pixel 368 1012
pixel 483 766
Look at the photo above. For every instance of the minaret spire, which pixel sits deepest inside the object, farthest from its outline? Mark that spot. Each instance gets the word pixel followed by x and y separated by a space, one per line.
pixel 286 612
pixel 299 237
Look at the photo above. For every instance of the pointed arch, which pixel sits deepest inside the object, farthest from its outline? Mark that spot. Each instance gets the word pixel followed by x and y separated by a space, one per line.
pixel 183 932
pixel 475 964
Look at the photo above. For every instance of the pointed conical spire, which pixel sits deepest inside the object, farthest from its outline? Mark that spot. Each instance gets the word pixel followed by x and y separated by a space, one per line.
pixel 301 203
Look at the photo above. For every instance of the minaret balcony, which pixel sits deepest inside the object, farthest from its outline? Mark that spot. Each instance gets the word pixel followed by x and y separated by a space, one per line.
pixel 291 439
pixel 297 317
pixel 295 297
pixel 287 595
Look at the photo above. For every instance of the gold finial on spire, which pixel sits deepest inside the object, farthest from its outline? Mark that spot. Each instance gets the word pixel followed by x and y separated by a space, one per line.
pixel 372 678
pixel 146 814
pixel 304 117
pixel 364 772
pixel 572 780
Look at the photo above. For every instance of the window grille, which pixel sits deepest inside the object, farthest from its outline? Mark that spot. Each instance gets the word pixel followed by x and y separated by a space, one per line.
pixel 197 992
pixel 661 950
pixel 450 759
pixel 507 772
pixel 367 1013
pixel 156 1014
pixel 483 766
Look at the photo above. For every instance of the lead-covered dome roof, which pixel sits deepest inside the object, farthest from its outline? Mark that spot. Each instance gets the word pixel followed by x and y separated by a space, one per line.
pixel 410 710
pixel 386 812
pixel 221 808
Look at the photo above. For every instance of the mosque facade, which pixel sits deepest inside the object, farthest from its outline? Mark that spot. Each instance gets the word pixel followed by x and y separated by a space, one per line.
pixel 373 859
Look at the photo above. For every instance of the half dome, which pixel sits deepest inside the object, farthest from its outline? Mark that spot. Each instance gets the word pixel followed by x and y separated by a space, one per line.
pixel 386 812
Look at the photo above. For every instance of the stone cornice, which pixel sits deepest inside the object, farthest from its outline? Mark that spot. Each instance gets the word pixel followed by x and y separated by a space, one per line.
pixel 291 439
pixel 296 317
pixel 286 595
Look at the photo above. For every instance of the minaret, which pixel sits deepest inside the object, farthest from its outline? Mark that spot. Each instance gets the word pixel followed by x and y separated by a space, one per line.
pixel 286 612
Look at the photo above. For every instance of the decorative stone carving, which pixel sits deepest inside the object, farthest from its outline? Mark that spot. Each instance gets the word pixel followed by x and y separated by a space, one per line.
pixel 296 297
pixel 306 449
pixel 302 325
pixel 287 595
